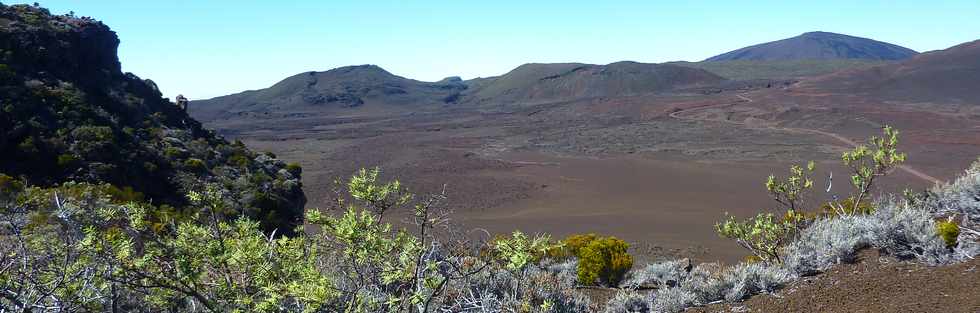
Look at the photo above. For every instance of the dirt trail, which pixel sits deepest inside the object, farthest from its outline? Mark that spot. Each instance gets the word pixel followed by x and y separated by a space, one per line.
pixel 838 137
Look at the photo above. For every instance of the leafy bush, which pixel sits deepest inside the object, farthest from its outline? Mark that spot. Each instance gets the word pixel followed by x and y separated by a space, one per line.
pixel 762 235
pixel 240 161
pixel 123 195
pixel 94 142
pixel 27 146
pixel 869 163
pixel 174 152
pixel 66 159
pixel 6 74
pixel 518 251
pixel 949 231
pixel 10 185
pixel 765 236
pixel 790 193
pixel 604 260
pixel 195 165
pixel 295 169
pixel 571 246
pixel 846 207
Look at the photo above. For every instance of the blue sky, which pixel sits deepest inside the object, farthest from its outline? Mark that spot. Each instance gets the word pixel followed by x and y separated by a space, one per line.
pixel 211 48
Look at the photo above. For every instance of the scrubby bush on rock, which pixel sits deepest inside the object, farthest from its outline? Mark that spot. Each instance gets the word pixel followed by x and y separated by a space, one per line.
pixel 70 114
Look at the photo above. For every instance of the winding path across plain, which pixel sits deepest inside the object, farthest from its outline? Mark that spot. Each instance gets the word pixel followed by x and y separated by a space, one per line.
pixel 745 99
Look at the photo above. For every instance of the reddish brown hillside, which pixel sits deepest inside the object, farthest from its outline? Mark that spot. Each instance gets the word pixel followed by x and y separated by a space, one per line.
pixel 945 76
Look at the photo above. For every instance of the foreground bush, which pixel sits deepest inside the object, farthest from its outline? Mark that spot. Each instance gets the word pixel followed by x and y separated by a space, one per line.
pixel 765 236
pixel 682 286
pixel 604 260
pixel 89 252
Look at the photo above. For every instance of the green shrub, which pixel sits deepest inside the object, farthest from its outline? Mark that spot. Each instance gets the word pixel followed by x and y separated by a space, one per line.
pixel 150 167
pixel 239 160
pixel 6 74
pixel 949 231
pixel 65 160
pixel 195 165
pixel 846 206
pixel 571 246
pixel 123 195
pixel 9 185
pixel 94 141
pixel 28 146
pixel 604 260
pixel 519 250
pixel 173 152
pixel 295 169
pixel 762 234
pixel 870 162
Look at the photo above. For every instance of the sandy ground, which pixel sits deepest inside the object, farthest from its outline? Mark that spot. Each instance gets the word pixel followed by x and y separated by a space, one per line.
pixel 658 171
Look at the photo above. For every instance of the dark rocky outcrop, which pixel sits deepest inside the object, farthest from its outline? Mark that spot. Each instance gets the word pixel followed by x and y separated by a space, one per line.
pixel 68 113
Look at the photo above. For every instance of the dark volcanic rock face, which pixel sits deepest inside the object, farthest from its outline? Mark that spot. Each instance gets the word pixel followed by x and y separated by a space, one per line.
pixel 819 45
pixel 67 113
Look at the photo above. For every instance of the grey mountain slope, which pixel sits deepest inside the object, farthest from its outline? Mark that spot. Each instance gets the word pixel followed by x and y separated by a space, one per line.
pixel 819 45
pixel 348 86
pixel 354 86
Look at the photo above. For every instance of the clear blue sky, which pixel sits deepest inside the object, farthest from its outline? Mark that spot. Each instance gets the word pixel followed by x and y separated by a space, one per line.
pixel 210 48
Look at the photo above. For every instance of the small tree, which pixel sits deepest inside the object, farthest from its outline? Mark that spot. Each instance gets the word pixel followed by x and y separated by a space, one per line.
pixel 764 234
pixel 385 269
pixel 869 163
pixel 791 193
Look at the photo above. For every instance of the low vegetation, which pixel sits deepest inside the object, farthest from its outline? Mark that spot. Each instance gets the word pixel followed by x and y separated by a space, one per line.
pixel 94 247
pixel 603 260
pixel 113 200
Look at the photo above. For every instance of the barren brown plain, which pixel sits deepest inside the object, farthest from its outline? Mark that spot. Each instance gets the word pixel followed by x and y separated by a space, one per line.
pixel 658 170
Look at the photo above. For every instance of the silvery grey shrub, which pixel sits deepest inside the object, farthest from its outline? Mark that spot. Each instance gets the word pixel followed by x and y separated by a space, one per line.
pixel 670 300
pixel 663 274
pixel 628 301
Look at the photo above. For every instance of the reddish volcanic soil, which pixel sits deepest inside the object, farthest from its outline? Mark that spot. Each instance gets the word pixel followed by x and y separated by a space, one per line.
pixel 658 171
pixel 873 284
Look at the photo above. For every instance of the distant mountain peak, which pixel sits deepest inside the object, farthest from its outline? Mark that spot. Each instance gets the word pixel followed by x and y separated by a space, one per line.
pixel 820 33
pixel 819 45
pixel 364 68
